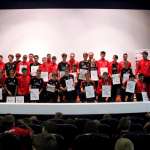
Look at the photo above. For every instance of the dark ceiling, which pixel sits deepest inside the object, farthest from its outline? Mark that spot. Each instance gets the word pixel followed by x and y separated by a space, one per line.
pixel 114 4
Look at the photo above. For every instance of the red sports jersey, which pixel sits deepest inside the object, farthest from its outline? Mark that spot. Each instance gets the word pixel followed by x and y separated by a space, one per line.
pixel 102 63
pixel 143 66
pixel 140 86
pixel 124 64
pixel 23 85
pixel 23 64
pixel 45 67
pixel 53 67
pixel 103 82
pixel 2 66
pixel 73 66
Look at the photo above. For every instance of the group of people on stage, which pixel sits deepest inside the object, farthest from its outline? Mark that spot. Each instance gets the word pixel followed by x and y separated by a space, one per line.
pixel 88 80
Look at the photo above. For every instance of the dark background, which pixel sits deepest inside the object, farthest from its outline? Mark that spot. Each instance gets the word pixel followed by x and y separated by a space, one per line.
pixel 106 4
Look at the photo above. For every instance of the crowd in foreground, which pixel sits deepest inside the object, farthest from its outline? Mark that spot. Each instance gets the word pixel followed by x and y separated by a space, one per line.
pixel 74 81
pixel 123 132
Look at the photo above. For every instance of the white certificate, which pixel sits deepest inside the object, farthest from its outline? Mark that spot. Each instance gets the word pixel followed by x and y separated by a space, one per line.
pixel 51 88
pixel 82 74
pixel 1 97
pixel 103 69
pixel 19 99
pixel 21 67
pixel 125 77
pixel 61 73
pixel 116 79
pixel 106 91
pixel 130 86
pixel 70 85
pixel 75 76
pixel 145 96
pixel 89 91
pixel 10 99
pixel 34 70
pixel 34 94
pixel 94 75
pixel 44 76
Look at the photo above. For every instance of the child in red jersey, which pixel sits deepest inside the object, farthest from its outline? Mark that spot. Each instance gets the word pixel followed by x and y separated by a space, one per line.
pixel 105 80
pixel 23 85
pixel 140 87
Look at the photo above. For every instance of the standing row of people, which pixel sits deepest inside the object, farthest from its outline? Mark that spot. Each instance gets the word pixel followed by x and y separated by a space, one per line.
pixel 69 81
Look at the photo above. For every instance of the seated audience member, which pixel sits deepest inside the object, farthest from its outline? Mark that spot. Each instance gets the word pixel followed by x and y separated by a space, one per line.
pixel 53 89
pixel 140 87
pixel 125 63
pixel 105 80
pixel 143 66
pixel 87 86
pixel 10 65
pixel 37 83
pixel 128 96
pixel 53 66
pixel 23 85
pixel 124 144
pixel 45 141
pixel 67 87
pixel 34 64
pixel 18 56
pixel 73 64
pixel 11 84
pixel 23 64
pixel 2 64
pixel 63 65
pixel 102 64
pixel 2 81
pixel 31 60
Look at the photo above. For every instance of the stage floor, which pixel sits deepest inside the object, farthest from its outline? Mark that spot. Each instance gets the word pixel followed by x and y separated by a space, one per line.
pixel 74 108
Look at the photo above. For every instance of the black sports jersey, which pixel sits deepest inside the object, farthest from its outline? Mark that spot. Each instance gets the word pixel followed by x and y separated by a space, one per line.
pixel 64 78
pixel 11 84
pixel 10 66
pixel 85 83
pixel 62 66
pixel 37 83
pixel 84 65
pixel 54 82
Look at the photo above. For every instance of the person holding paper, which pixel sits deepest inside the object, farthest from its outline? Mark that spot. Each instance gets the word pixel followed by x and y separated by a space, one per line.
pixel 85 94
pixel 10 65
pixel 44 67
pixel 102 64
pixel 67 88
pixel 52 89
pixel 35 65
pixel 23 85
pixel 104 81
pixel 11 84
pixel 128 92
pixel 143 66
pixel 63 65
pixel 38 83
pixel 140 87
pixel 23 64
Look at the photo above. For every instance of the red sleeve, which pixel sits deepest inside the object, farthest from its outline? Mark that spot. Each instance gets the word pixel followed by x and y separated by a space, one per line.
pixel 99 87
